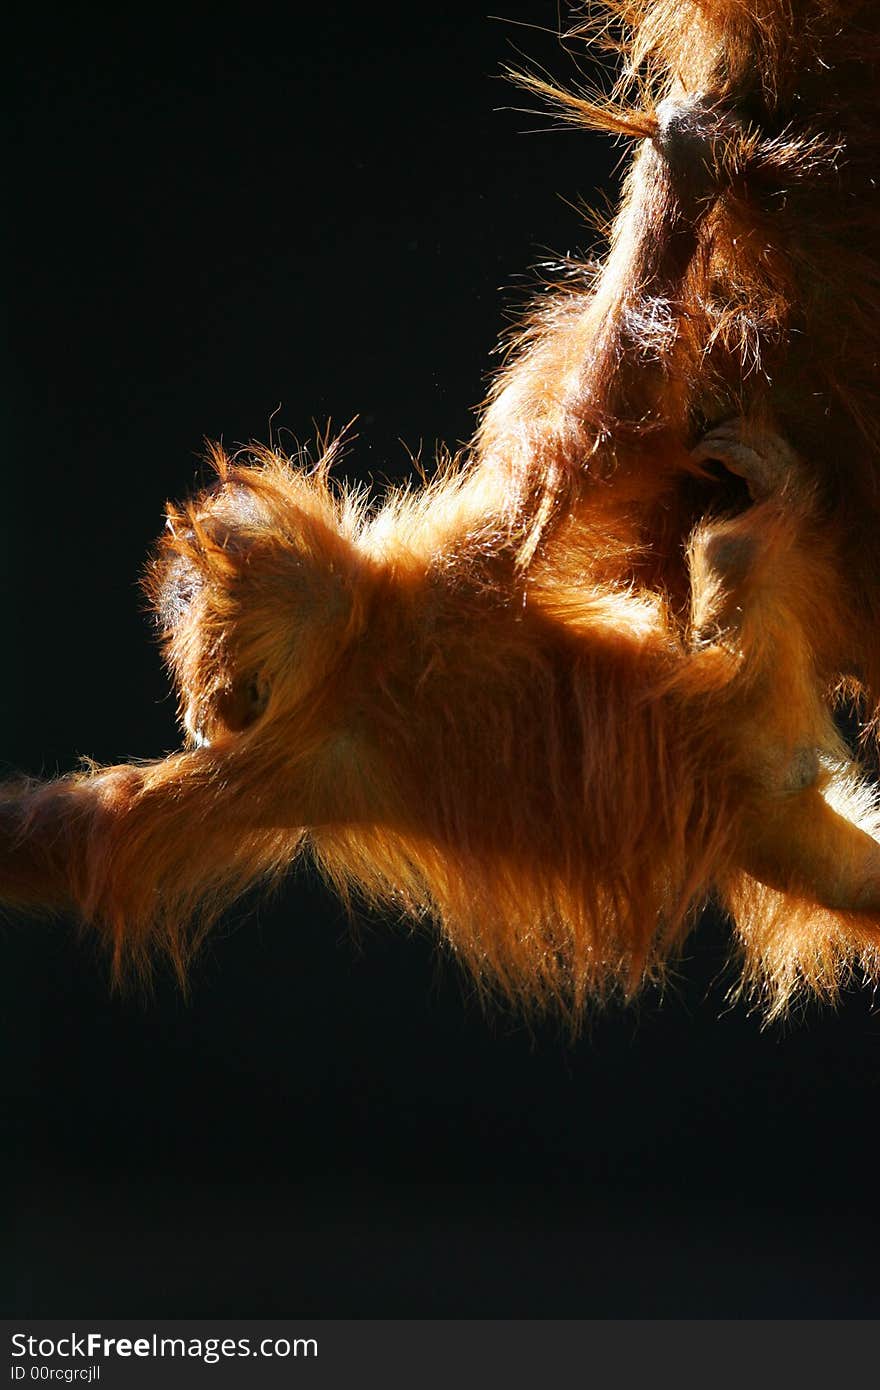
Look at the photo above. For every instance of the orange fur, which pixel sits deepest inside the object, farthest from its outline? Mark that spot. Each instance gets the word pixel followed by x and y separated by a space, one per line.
pixel 554 699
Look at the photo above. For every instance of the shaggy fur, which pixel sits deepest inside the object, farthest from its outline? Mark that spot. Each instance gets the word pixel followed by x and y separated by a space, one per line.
pixel 582 680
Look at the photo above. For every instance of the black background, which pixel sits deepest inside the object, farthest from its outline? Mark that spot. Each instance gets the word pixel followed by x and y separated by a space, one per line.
pixel 216 214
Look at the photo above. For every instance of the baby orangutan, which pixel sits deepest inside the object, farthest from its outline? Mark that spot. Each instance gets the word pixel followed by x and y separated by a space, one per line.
pixel 558 697
pixel 551 766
